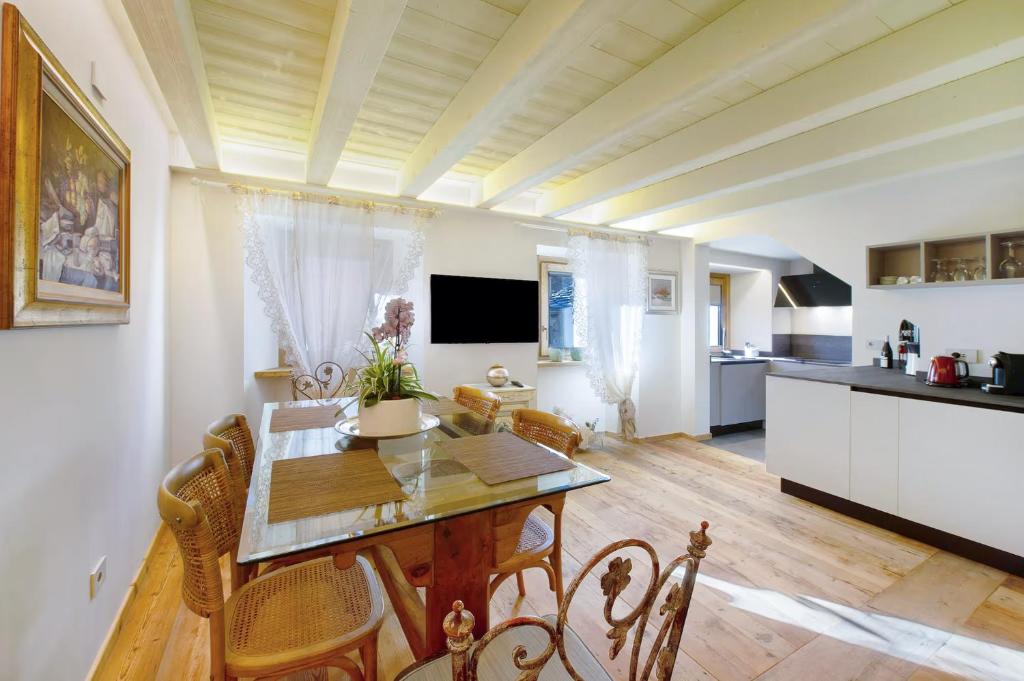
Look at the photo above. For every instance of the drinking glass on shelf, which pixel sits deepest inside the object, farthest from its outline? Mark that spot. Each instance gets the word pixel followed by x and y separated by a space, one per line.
pixel 1011 267
pixel 960 271
pixel 978 271
pixel 939 272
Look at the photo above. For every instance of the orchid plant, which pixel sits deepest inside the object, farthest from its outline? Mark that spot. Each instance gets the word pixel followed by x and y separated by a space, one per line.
pixel 388 374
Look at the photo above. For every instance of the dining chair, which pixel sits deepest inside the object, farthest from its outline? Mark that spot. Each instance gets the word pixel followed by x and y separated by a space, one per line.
pixel 304 616
pixel 525 647
pixel 327 382
pixel 232 436
pixel 485 403
pixel 540 545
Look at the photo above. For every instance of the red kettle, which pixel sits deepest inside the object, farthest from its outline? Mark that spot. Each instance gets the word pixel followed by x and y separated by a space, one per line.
pixel 947 371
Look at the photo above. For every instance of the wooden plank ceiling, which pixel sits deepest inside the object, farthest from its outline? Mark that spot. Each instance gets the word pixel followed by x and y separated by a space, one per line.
pixel 658 73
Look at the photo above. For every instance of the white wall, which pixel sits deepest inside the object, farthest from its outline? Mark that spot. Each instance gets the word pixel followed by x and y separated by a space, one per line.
pixel 85 409
pixel 834 230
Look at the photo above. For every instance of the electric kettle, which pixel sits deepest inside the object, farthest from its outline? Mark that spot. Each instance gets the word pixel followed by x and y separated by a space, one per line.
pixel 947 371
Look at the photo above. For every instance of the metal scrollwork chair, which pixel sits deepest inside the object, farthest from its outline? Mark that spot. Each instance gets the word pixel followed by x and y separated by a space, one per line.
pixel 508 644
pixel 327 382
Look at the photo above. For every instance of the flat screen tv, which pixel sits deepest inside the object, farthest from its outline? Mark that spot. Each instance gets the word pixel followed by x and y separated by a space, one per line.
pixel 483 310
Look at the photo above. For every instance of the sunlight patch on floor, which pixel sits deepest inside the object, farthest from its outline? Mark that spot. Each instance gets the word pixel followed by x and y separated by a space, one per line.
pixel 907 640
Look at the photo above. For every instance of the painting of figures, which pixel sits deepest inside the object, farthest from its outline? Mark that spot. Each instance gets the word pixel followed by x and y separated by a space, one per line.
pixel 79 231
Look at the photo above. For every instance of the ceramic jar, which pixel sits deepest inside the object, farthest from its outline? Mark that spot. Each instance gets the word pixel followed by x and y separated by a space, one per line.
pixel 497 375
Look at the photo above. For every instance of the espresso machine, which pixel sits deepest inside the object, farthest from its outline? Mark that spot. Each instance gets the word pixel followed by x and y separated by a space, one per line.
pixel 1007 374
pixel 909 346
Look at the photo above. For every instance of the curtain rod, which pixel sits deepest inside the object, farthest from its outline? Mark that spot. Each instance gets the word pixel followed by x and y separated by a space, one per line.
pixel 319 197
pixel 531 221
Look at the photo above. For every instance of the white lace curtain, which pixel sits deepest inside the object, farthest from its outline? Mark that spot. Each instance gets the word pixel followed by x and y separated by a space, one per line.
pixel 325 270
pixel 610 279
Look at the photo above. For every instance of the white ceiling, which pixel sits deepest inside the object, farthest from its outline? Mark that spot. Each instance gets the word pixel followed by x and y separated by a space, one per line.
pixel 643 114
pixel 764 246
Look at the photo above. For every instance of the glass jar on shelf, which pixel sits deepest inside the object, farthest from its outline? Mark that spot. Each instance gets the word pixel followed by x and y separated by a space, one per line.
pixel 1011 267
pixel 960 271
pixel 978 270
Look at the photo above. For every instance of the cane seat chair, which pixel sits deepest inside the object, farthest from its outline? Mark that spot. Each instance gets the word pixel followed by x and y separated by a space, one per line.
pixel 303 616
pixel 540 545
pixel 550 430
pixel 484 403
pixel 526 647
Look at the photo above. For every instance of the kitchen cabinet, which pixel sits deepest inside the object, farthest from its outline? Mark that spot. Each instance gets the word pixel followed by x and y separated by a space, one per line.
pixel 808 433
pixel 874 450
pixel 716 393
pixel 743 392
pixel 961 469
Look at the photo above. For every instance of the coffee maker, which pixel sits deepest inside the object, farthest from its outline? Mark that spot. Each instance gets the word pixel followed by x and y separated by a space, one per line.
pixel 1007 374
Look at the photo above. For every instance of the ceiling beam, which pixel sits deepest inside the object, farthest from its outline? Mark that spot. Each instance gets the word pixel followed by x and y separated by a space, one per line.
pixel 976 101
pixel 532 50
pixel 1002 140
pixel 754 33
pixel 970 37
pixel 167 33
pixel 360 36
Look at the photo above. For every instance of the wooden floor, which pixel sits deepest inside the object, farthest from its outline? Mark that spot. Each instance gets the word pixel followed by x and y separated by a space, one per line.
pixel 789 590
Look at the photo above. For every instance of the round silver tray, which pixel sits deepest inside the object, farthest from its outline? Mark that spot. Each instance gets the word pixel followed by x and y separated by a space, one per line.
pixel 351 427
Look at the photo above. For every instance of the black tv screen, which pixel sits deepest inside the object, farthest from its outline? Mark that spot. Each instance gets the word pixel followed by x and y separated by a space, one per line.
pixel 483 310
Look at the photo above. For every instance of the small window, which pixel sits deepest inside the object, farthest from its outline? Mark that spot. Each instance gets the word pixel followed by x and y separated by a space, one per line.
pixel 718 312
pixel 556 297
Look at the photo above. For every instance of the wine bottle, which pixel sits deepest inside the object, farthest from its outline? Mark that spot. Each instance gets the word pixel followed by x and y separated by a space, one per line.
pixel 886 362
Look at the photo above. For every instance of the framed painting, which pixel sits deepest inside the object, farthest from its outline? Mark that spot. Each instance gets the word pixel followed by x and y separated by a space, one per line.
pixel 65 179
pixel 662 294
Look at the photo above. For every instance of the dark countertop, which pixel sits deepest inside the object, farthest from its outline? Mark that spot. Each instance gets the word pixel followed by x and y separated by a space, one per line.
pixel 892 382
pixel 740 359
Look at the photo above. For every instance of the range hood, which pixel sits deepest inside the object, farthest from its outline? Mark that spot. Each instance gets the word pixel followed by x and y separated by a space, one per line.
pixel 819 289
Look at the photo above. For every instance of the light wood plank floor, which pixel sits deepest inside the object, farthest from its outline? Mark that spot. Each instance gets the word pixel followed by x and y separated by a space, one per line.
pixel 789 590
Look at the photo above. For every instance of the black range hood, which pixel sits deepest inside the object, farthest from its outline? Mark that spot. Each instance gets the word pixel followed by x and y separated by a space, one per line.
pixel 820 289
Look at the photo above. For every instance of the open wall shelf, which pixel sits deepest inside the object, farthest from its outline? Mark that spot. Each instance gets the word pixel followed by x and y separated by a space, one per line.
pixel 977 256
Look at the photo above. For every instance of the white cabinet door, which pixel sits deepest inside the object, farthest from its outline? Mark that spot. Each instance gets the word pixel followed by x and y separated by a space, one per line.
pixel 716 393
pixel 874 450
pixel 742 393
pixel 808 433
pixel 962 471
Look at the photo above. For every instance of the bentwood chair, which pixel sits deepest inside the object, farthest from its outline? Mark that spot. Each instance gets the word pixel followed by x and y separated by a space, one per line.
pixel 304 616
pixel 485 404
pixel 525 647
pixel 539 544
pixel 232 436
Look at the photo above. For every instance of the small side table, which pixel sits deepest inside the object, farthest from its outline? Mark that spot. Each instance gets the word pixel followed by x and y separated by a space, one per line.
pixel 512 398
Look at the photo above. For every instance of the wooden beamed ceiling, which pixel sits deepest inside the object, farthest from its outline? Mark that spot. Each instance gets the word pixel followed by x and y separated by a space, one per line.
pixel 644 114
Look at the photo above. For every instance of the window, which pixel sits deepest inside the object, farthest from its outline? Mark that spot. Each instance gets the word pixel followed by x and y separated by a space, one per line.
pixel 556 297
pixel 718 312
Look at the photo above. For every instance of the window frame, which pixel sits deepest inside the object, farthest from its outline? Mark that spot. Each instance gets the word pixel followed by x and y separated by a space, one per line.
pixel 545 265
pixel 723 280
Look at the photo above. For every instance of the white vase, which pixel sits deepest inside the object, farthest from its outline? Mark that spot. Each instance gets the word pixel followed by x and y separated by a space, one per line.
pixel 390 417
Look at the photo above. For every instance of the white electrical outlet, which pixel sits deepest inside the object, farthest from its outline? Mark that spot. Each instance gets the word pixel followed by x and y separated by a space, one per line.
pixel 97 577
pixel 966 354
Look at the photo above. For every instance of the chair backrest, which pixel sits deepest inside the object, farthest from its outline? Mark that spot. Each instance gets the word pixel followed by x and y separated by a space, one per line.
pixel 458 625
pixel 195 500
pixel 482 402
pixel 326 382
pixel 551 430
pixel 231 434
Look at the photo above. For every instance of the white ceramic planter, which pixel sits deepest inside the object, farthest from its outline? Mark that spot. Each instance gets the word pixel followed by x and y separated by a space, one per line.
pixel 390 417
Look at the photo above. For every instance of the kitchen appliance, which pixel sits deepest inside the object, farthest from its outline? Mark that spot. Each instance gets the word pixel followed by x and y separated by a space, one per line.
pixel 1007 374
pixel 947 371
pixel 910 341
pixel 819 289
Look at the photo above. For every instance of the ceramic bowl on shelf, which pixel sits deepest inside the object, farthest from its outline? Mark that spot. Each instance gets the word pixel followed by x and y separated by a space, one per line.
pixel 887 280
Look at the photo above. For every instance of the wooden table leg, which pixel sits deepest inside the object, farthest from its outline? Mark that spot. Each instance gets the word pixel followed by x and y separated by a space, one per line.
pixel 463 552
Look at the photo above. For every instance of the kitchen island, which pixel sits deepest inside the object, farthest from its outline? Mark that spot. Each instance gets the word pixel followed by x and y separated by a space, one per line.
pixel 942 465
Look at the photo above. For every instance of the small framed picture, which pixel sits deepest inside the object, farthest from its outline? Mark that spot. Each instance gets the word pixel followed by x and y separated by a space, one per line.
pixel 662 293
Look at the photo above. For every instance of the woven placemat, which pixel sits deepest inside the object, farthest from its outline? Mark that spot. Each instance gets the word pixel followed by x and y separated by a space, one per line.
pixel 303 418
pixel 501 457
pixel 318 485
pixel 444 406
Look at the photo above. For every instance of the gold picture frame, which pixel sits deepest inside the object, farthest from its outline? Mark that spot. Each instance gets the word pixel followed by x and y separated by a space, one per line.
pixel 65 186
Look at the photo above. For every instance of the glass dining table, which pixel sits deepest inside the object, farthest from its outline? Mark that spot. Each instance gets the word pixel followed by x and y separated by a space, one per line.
pixel 445 535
